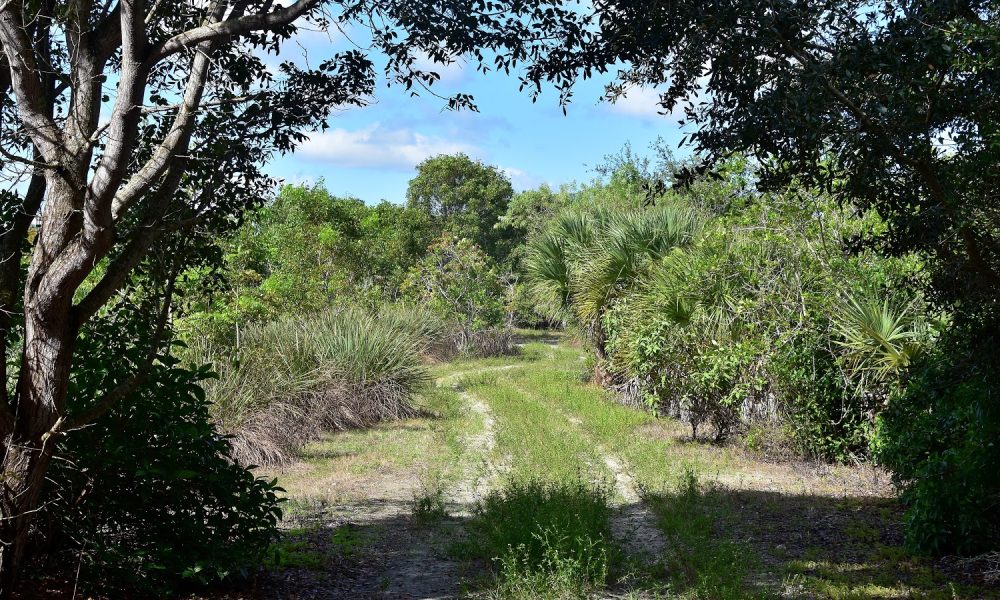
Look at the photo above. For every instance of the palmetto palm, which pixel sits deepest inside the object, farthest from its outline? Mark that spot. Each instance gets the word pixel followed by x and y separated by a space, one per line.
pixel 879 339
pixel 587 258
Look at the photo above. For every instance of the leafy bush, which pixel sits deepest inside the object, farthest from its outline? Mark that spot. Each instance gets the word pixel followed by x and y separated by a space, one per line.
pixel 459 281
pixel 940 439
pixel 549 539
pixel 150 497
pixel 303 253
pixel 744 328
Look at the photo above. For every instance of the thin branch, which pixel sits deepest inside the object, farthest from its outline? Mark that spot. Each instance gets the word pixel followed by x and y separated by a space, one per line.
pixel 175 141
pixel 112 397
pixel 26 83
pixel 27 161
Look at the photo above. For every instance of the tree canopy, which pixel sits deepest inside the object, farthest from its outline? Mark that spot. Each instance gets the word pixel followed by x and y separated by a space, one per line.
pixel 465 198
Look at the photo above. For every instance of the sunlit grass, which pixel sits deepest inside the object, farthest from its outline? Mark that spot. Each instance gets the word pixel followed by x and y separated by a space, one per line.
pixel 722 512
pixel 534 440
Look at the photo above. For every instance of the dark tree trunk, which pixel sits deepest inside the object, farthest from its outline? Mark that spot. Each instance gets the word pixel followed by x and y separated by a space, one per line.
pixel 24 468
pixel 29 439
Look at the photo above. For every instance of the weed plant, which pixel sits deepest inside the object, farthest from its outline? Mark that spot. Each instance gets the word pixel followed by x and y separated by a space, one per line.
pixel 547 540
pixel 701 564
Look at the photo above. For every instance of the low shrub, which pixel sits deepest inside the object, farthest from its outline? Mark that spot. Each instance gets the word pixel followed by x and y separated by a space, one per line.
pixel 765 322
pixel 149 499
pixel 548 539
pixel 939 438
pixel 567 568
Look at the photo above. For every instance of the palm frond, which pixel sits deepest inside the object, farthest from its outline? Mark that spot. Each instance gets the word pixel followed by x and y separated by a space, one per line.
pixel 879 339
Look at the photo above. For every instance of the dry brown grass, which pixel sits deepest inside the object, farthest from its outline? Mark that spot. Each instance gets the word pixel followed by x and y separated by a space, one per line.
pixel 275 435
pixel 736 468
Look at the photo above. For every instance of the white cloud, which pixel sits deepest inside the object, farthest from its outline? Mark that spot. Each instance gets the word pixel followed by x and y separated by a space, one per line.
pixel 520 179
pixel 377 146
pixel 641 102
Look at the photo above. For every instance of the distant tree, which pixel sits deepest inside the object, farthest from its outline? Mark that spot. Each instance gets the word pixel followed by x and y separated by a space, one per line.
pixel 457 279
pixel 396 238
pixel 465 198
pixel 303 252
pixel 531 211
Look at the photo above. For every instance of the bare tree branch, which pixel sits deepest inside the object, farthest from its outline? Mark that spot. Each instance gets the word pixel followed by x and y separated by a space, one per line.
pixel 125 114
pixel 27 85
pixel 232 27
pixel 150 230
pixel 177 139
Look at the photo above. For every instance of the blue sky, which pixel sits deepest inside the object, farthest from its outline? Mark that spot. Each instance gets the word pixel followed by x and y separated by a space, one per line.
pixel 371 152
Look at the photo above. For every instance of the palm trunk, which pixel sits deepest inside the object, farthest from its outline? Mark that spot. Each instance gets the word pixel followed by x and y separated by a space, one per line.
pixel 601 376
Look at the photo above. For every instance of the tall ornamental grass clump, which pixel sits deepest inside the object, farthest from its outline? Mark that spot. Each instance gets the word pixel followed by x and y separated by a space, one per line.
pixel 290 380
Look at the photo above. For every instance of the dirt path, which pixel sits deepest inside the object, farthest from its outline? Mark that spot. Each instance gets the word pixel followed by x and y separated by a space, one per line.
pixel 482 468
pixel 399 555
pixel 634 523
pixel 403 557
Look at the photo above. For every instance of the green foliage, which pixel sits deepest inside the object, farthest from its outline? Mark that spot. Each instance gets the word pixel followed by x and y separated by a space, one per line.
pixel 890 107
pixel 739 327
pixel 294 555
pixel 457 280
pixel 589 256
pixel 430 508
pixel 701 564
pixel 550 540
pixel 303 253
pixel 625 245
pixel 465 199
pixel 358 347
pixel 567 568
pixel 917 143
pixel 529 212
pixel 150 497
pixel 940 438
pixel 879 340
